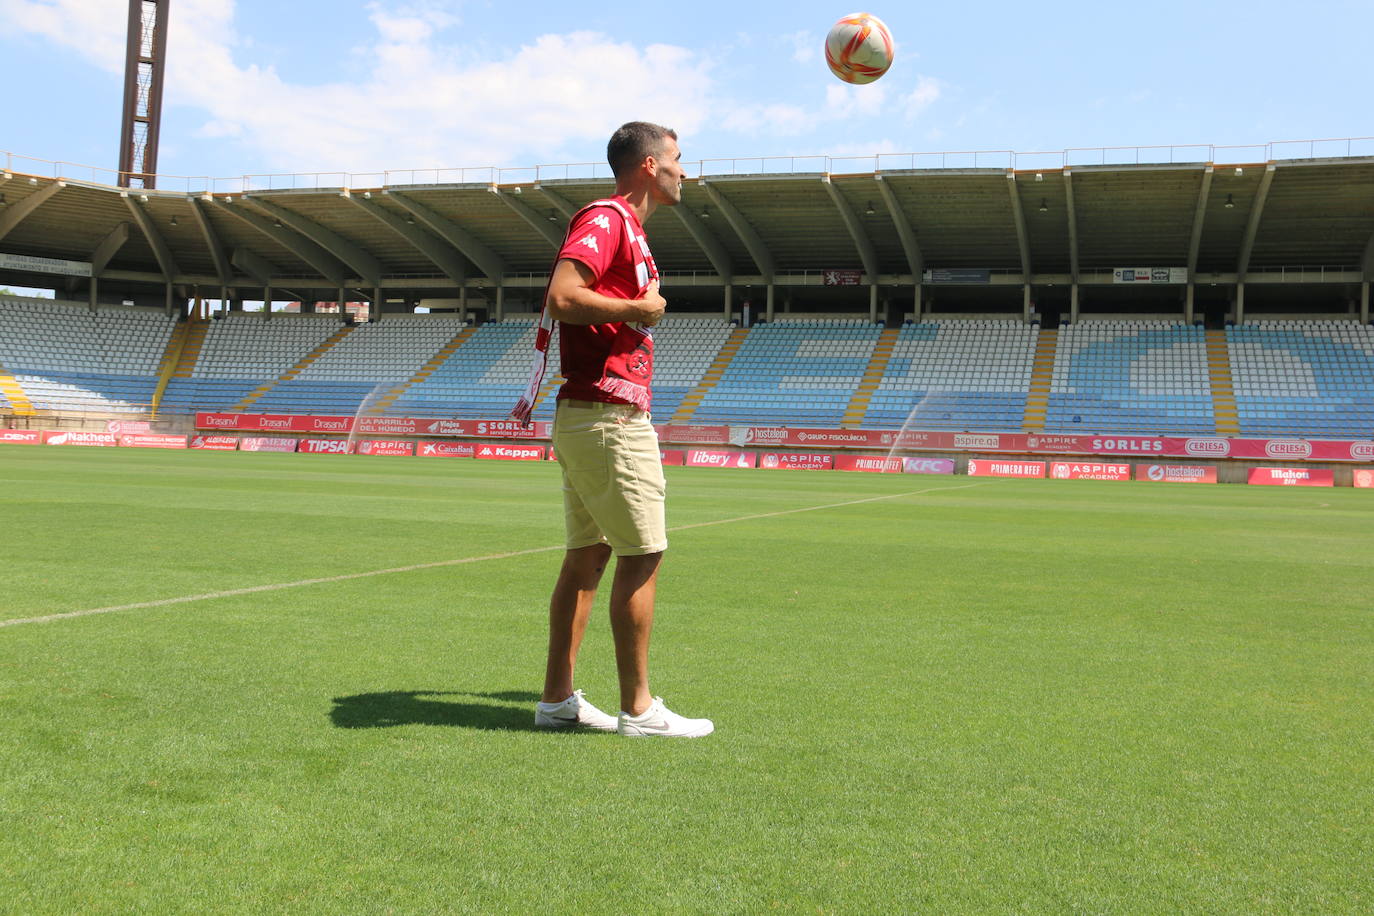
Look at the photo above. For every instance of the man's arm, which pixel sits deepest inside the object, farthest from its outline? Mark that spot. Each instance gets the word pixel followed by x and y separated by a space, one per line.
pixel 572 301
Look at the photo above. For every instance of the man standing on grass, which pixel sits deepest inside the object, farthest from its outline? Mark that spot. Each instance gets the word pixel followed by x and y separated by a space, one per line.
pixel 604 294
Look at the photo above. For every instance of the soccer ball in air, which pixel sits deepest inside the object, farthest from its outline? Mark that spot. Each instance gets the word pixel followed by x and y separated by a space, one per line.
pixel 859 48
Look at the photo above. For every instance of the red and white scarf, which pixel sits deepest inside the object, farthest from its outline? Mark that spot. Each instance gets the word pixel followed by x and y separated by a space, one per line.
pixel 612 381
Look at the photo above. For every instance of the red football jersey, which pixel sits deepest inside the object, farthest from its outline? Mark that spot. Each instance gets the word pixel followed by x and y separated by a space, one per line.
pixel 597 239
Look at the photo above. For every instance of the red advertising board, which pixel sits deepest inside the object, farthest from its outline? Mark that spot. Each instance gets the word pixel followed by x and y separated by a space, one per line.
pixel 150 440
pixel 325 447
pixel 777 437
pixel 694 435
pixel 385 447
pixel 719 458
pixel 1176 473
pixel 1075 470
pixel 797 461
pixel 1292 477
pixel 128 426
pixel 62 437
pixel 267 444
pixel 873 463
pixel 670 456
pixel 21 436
pixel 446 450
pixel 214 443
pixel 1363 479
pixel 997 467
pixel 511 452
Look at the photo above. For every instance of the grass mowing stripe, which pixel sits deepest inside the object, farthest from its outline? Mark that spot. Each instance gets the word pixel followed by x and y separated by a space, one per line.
pixel 278 586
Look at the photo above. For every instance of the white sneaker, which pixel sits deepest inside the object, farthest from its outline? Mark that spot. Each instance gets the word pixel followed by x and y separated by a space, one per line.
pixel 658 721
pixel 574 712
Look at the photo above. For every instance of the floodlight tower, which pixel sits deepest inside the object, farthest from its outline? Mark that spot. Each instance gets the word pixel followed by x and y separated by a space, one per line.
pixel 143 66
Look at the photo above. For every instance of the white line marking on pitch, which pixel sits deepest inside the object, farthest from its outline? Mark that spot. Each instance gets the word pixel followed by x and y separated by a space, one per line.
pixel 279 586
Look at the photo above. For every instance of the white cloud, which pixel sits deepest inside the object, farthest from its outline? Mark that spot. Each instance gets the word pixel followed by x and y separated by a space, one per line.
pixel 416 107
pixel 926 93
pixel 806 47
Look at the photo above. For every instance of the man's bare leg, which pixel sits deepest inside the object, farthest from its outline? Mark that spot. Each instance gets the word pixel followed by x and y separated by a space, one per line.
pixel 632 618
pixel 569 610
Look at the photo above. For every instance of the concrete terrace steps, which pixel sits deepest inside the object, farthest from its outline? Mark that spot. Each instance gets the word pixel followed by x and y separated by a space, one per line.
pixel 873 377
pixel 1223 386
pixel 171 359
pixel 19 401
pixel 425 371
pixel 192 342
pixel 296 369
pixel 1042 374
pixel 713 375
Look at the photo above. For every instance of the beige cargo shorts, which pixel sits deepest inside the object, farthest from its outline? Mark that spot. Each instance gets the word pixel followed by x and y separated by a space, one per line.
pixel 613 485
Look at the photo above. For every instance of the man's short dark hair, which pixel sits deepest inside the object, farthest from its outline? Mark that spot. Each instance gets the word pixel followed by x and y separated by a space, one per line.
pixel 632 142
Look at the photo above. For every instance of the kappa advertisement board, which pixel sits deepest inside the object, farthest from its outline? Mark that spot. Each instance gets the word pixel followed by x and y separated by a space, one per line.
pixel 996 467
pixel 510 452
pixel 1176 473
pixel 1292 477
pixel 21 436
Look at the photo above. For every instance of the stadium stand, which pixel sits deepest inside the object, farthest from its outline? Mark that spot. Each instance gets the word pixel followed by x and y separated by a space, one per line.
pixel 964 375
pixel 366 364
pixel 1131 377
pixel 795 372
pixel 243 352
pixel 67 358
pixel 482 379
pixel 1303 378
pixel 684 349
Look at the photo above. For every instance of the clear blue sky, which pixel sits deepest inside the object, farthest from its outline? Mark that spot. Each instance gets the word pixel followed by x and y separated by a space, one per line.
pixel 311 85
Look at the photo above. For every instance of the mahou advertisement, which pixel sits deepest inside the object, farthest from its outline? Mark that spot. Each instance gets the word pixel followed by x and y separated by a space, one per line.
pixel 1292 477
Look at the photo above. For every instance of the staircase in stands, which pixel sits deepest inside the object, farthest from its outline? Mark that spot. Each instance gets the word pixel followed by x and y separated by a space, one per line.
pixel 873 377
pixel 173 364
pixel 692 401
pixel 295 370
pixel 19 401
pixel 1223 387
pixel 1042 374
pixel 425 371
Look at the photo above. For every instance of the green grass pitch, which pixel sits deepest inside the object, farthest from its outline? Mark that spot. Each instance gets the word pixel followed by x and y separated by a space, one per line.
pixel 972 696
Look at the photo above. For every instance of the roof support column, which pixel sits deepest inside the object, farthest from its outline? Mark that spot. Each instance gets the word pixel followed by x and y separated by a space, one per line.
pixel 95 291
pixel 1248 243
pixel 873 303
pixel 1073 246
pixel 1023 243
pixel 768 313
pixel 1199 214
pixel 728 298
pixel 500 301
pixel 1364 302
pixel 1368 268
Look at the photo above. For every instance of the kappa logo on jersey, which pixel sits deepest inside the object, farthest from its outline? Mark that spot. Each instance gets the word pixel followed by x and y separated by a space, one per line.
pixel 590 242
pixel 603 221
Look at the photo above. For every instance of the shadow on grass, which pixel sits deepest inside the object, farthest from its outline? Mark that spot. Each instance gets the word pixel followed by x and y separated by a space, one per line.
pixel 432 707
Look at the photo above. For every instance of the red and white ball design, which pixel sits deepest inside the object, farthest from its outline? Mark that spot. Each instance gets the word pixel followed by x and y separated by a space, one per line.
pixel 859 48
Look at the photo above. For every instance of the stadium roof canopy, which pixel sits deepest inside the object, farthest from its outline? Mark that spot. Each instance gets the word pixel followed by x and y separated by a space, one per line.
pixel 1290 220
